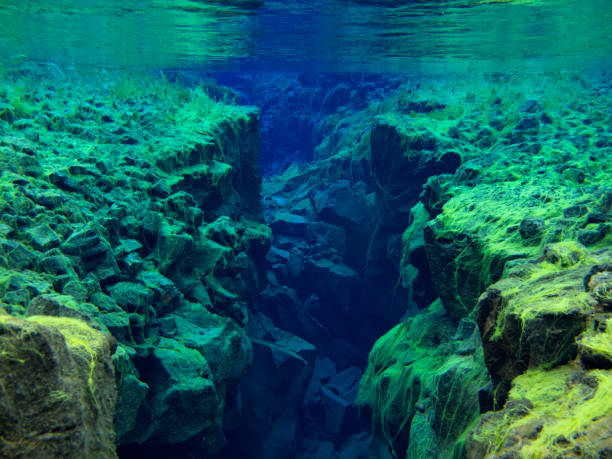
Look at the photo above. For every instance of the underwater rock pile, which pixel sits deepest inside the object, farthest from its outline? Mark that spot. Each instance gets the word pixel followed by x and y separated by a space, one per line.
pixel 132 204
pixel 461 228
pixel 537 184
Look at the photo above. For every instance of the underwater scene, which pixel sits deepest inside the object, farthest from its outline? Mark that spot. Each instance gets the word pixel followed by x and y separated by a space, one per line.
pixel 312 229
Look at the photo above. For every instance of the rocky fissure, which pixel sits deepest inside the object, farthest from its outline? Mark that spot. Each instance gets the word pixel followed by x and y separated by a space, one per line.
pixel 454 230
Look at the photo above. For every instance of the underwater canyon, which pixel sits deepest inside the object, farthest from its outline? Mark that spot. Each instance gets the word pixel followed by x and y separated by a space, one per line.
pixel 333 265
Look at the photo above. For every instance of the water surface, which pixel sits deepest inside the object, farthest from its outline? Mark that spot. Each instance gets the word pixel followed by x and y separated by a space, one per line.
pixel 319 35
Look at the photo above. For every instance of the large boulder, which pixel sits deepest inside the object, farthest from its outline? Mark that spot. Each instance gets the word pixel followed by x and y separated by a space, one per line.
pixel 532 317
pixel 184 394
pixel 422 384
pixel 58 388
pixel 335 283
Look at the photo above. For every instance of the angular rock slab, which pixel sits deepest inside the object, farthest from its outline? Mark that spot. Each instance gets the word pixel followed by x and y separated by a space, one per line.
pixel 422 384
pixel 58 388
pixel 533 317
pixel 274 390
pixel 564 412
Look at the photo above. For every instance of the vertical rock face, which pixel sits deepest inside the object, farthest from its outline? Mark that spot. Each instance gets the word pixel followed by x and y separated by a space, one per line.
pixel 464 187
pixel 548 346
pixel 154 238
pixel 58 388
pixel 405 153
pixel 273 392
pixel 422 384
pixel 157 239
pixel 523 326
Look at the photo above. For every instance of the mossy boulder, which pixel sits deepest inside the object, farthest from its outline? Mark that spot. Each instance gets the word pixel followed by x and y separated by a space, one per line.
pixel 563 412
pixel 422 384
pixel 59 392
pixel 184 393
pixel 532 317
pixel 100 219
pixel 61 306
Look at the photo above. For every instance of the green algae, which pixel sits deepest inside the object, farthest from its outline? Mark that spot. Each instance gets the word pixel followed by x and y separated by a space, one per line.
pixel 549 287
pixel 561 411
pixel 598 343
pixel 131 112
pixel 107 177
pixel 519 195
pixel 420 380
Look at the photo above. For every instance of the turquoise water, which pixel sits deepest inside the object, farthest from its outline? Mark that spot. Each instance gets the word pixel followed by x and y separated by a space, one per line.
pixel 315 229
pixel 321 35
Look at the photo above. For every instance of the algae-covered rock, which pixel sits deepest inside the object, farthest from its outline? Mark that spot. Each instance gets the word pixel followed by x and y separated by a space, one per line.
pixel 532 317
pixel 422 384
pixel 101 219
pixel 405 153
pixel 563 412
pixel 61 306
pixel 43 237
pixel 131 394
pixel 59 393
pixel 481 229
pixel 221 342
pixel 184 394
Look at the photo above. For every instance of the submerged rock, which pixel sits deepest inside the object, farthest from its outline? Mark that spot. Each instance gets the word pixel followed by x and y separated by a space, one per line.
pixel 273 392
pixel 59 393
pixel 548 346
pixel 532 317
pixel 405 153
pixel 105 220
pixel 422 385
pixel 562 411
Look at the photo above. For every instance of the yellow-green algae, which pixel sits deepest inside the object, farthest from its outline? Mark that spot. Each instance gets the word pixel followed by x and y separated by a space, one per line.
pixel 59 392
pixel 551 410
pixel 82 340
pixel 489 216
pixel 421 387
pixel 568 413
pixel 548 287
pixel 128 116
pixel 599 341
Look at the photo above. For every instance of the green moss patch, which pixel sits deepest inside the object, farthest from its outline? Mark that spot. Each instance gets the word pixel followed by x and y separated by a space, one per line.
pixel 422 384
pixel 561 412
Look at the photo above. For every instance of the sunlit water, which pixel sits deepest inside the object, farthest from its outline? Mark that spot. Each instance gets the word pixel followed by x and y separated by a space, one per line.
pixel 320 35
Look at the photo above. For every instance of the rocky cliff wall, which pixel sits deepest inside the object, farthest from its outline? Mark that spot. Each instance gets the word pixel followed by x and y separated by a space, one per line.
pixel 133 204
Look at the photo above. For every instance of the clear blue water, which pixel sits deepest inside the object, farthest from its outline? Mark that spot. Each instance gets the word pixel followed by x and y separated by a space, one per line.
pixel 315 35
pixel 354 55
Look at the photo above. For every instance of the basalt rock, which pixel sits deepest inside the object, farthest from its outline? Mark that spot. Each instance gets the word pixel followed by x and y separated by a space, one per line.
pixel 532 317
pixel 140 236
pixel 404 156
pixel 422 384
pixel 59 393
pixel 274 392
